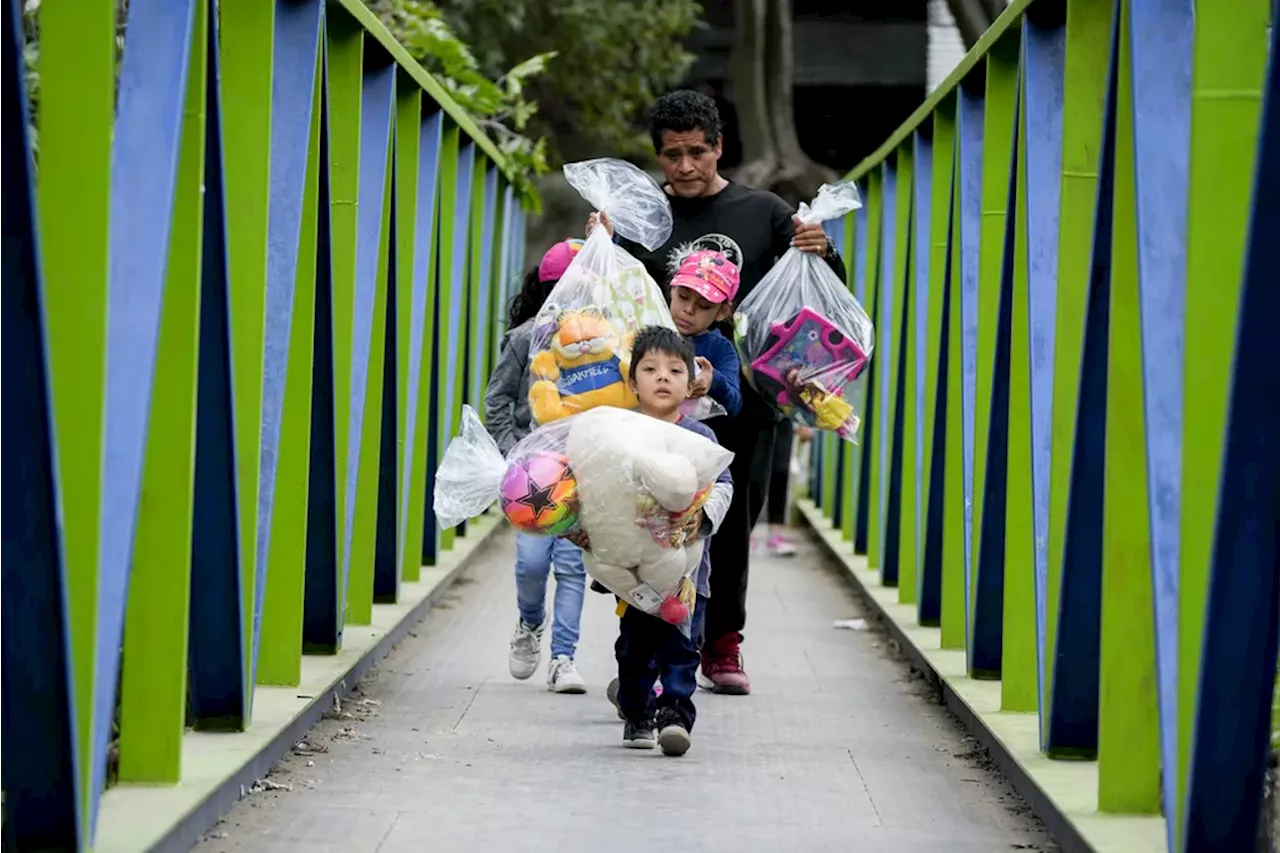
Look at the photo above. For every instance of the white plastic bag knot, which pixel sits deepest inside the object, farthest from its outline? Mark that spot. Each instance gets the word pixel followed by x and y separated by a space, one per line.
pixel 636 205
pixel 832 202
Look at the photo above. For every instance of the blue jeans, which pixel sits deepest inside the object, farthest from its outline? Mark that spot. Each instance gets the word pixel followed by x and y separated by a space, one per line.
pixel 535 556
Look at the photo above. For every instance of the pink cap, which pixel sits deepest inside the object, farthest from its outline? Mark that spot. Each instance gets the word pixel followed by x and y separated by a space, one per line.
pixel 557 260
pixel 709 274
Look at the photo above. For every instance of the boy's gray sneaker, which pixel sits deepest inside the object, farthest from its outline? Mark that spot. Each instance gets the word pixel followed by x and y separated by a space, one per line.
pixel 526 649
pixel 612 693
pixel 638 735
pixel 673 737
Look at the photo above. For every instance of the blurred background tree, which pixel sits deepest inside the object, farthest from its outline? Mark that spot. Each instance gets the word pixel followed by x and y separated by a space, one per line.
pixel 613 59
pixel 571 78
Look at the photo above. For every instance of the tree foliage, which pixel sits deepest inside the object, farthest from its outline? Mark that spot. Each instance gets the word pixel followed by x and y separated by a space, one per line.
pixel 497 102
pixel 613 58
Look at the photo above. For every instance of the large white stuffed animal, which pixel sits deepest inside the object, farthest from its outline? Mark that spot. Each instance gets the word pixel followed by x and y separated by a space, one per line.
pixel 617 457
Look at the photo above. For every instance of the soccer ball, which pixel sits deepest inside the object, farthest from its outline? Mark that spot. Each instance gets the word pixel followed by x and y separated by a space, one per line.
pixel 539 494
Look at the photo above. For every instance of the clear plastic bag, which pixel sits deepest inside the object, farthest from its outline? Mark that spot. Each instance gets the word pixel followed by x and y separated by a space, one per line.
pixel 579 354
pixel 701 408
pixel 802 336
pixel 631 484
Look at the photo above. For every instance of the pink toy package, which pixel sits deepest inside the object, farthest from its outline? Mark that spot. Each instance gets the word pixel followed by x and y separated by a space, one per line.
pixel 808 347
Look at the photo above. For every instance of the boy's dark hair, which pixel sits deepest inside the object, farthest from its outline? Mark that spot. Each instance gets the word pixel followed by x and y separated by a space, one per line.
pixel 528 300
pixel 682 112
pixel 663 340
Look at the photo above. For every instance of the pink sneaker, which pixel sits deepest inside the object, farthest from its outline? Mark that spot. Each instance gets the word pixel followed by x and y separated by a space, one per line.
pixel 780 546
pixel 722 667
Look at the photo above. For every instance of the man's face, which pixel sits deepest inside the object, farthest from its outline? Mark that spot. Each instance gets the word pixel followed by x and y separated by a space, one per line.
pixel 689 162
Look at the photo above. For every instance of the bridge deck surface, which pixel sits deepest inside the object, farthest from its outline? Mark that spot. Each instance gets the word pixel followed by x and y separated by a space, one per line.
pixel 839 748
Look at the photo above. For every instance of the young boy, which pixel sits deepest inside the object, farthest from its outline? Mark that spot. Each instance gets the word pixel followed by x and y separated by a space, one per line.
pixel 702 293
pixel 662 365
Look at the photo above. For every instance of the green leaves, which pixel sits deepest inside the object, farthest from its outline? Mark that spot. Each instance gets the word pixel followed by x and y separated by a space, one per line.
pixel 498 105
pixel 612 59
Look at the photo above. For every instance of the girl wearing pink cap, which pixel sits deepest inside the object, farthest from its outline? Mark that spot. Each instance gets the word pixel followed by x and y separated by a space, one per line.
pixel 506 402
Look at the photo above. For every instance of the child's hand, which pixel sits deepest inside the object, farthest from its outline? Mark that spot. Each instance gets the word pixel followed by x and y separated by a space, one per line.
pixel 692 527
pixel 580 538
pixel 599 218
pixel 706 373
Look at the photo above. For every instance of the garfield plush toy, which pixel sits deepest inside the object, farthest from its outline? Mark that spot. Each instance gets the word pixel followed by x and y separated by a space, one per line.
pixel 585 365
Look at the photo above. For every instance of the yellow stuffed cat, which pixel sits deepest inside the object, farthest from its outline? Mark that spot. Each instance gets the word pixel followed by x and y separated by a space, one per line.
pixel 585 365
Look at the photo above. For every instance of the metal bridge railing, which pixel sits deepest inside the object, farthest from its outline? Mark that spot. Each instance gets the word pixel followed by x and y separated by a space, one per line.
pixel 249 282
pixel 1070 463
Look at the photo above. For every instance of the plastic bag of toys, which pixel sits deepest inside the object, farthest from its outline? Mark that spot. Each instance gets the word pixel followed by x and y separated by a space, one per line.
pixel 634 485
pixel 802 336
pixel 579 355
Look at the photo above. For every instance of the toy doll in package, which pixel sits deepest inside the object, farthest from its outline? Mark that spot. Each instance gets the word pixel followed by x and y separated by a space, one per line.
pixel 581 349
pixel 802 336
pixel 631 483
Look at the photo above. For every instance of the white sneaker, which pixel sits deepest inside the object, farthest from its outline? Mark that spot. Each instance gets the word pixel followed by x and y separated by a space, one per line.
pixel 562 676
pixel 526 649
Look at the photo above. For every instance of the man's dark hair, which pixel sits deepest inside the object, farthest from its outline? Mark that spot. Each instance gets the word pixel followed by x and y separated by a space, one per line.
pixel 660 339
pixel 682 112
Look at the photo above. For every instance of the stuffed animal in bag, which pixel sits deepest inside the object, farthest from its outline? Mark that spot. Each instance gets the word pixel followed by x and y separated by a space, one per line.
pixel 586 364
pixel 629 468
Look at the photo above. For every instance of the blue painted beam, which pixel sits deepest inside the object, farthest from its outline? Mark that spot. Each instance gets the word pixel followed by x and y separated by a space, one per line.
pixel 386 566
pixel 986 648
pixel 218 695
pixel 970 129
pixel 1238 665
pixel 298 30
pixel 41 778
pixel 1161 37
pixel 929 601
pixel 321 619
pixel 376 100
pixel 144 165
pixel 1071 709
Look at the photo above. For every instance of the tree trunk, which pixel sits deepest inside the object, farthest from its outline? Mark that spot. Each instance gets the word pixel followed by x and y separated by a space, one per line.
pixel 763 72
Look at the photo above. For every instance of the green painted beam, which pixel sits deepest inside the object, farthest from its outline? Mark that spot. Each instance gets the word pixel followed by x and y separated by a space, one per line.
pixel 408 124
pixel 473 383
pixel 280 652
pixel 246 32
pixel 447 289
pixel 1128 715
pixel 1019 668
pixel 345 62
pixel 77 106
pixel 435 91
pixel 1087 59
pixel 364 536
pixel 940 203
pixel 153 688
pixel 1228 68
pixel 411 569
pixel 904 367
pixel 853 455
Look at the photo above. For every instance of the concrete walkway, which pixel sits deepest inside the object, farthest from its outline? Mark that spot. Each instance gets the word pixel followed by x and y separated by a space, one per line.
pixel 839 748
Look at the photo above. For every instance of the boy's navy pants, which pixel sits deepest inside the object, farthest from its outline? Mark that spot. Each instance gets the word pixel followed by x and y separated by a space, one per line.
pixel 648 649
